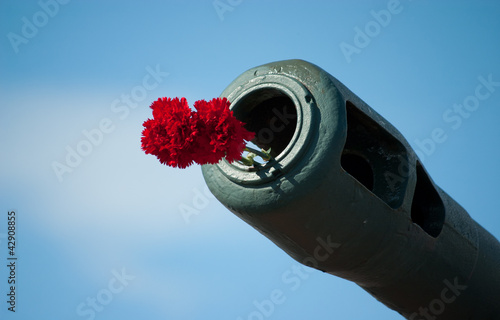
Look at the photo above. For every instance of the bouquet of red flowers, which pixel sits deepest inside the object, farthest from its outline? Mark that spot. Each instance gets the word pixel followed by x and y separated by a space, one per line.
pixel 179 136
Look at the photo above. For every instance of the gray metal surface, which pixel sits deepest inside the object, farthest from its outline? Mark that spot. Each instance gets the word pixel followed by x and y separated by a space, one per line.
pixel 347 195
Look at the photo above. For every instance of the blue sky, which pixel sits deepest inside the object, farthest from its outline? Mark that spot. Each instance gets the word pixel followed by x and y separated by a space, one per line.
pixel 110 229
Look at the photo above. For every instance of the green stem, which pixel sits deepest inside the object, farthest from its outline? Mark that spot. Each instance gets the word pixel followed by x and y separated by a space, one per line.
pixel 264 155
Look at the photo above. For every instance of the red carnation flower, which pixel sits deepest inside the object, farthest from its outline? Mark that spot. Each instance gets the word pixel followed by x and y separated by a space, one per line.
pixel 178 136
pixel 221 134
pixel 170 134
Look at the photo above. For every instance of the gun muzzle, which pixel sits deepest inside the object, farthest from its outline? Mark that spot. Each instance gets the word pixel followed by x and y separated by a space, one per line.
pixel 346 194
